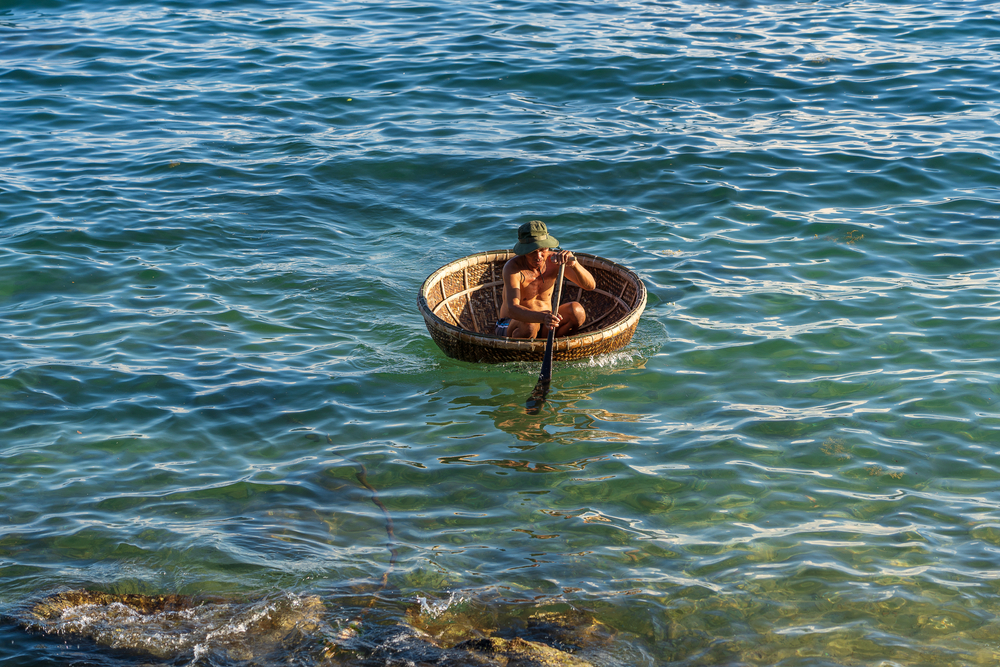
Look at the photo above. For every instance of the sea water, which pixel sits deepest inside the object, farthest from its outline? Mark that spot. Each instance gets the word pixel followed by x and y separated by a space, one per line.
pixel 215 218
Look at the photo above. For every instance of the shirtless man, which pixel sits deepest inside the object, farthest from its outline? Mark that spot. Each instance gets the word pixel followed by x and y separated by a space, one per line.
pixel 528 282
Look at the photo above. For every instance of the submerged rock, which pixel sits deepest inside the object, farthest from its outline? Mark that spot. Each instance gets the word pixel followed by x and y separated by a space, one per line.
pixel 519 652
pixel 403 646
pixel 167 626
pixel 271 630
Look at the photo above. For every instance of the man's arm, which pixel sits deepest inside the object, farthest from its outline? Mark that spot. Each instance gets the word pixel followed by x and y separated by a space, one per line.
pixel 575 271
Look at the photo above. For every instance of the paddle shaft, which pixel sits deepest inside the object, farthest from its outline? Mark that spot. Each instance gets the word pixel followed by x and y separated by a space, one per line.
pixel 546 372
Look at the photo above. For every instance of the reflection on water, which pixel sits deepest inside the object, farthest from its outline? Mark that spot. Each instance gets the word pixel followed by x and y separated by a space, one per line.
pixel 569 413
pixel 521 465
pixel 562 422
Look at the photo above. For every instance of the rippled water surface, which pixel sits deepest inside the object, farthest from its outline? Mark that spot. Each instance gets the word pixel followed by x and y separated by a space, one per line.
pixel 214 221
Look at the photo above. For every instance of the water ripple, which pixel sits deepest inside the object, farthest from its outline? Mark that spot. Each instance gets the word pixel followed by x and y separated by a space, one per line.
pixel 216 220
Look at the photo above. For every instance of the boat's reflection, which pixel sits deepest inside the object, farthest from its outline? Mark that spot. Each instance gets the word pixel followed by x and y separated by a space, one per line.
pixel 570 413
pixel 564 420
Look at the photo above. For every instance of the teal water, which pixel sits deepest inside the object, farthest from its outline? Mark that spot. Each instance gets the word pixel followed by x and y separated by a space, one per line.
pixel 216 218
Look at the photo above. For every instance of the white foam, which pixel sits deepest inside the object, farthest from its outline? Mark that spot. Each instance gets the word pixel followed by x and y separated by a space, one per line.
pixel 435 609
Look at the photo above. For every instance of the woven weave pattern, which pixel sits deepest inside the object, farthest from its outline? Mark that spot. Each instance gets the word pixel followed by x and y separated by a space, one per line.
pixel 460 303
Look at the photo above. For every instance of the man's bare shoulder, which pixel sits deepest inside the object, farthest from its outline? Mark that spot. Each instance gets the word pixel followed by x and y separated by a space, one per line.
pixel 513 265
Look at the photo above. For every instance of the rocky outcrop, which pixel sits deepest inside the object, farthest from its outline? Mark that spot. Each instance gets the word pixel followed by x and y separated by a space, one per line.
pixel 403 646
pixel 166 626
pixel 519 652
pixel 176 626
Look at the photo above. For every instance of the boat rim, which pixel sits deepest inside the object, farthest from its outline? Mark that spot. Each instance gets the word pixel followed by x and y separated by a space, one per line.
pixel 492 340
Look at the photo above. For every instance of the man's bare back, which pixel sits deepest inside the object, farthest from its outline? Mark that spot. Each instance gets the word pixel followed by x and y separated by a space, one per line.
pixel 529 280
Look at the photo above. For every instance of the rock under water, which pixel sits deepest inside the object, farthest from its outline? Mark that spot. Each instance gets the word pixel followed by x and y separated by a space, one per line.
pixel 169 627
pixel 404 646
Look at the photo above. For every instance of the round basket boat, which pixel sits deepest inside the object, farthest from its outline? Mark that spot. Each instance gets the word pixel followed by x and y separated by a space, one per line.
pixel 460 303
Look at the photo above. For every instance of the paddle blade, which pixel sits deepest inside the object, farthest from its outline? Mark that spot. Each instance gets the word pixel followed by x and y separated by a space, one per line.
pixel 537 398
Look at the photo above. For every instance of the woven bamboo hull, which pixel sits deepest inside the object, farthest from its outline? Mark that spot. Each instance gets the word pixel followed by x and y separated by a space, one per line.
pixel 460 303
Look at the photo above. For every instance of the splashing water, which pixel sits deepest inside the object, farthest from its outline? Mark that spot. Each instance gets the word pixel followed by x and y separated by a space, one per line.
pixel 435 609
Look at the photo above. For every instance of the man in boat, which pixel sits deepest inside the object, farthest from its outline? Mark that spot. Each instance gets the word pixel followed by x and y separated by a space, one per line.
pixel 529 281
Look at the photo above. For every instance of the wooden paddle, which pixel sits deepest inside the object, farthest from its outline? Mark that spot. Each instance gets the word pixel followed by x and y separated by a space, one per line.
pixel 534 403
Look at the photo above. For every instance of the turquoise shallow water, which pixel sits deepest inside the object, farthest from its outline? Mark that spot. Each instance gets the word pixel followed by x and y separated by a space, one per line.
pixel 215 220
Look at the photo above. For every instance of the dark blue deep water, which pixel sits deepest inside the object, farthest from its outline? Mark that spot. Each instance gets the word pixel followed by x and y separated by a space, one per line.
pixel 214 221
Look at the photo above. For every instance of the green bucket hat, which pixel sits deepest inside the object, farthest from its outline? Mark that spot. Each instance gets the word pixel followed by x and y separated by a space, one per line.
pixel 532 236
